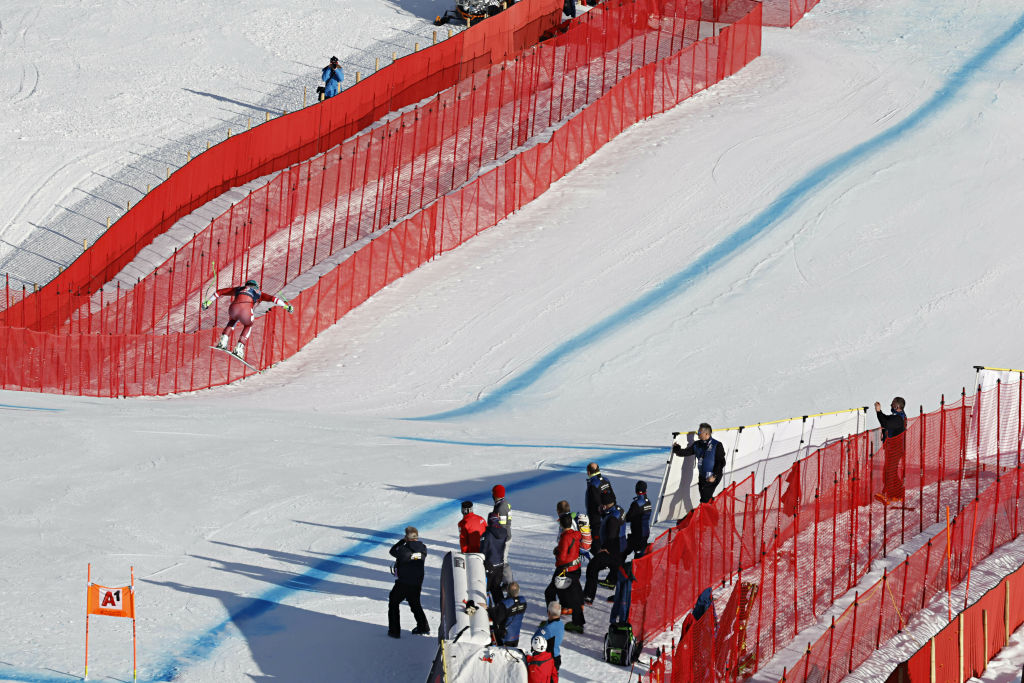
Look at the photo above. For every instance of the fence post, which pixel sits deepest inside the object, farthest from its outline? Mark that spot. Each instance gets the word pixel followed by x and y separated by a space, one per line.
pixel 856 600
pixel 903 594
pixel 831 640
pixel 920 495
pixel 924 585
pixel 814 567
pixel 881 610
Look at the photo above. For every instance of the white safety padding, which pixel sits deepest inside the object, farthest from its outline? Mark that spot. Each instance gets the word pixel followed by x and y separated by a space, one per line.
pixel 996 414
pixel 470 663
pixel 464 599
pixel 765 450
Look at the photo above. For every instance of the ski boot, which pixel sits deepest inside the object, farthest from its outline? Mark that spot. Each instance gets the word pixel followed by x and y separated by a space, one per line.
pixel 222 343
pixel 239 351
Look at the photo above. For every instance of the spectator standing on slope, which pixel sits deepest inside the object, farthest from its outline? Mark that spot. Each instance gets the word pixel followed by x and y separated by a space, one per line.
pixel 552 630
pixel 710 461
pixel 639 518
pixel 493 545
pixel 565 584
pixel 597 485
pixel 410 555
pixel 508 617
pixel 504 512
pixel 613 531
pixel 624 579
pixel 471 529
pixel 540 666
pixel 332 76
pixel 893 427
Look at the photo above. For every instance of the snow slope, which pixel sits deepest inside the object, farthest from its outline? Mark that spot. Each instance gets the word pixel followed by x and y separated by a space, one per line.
pixel 832 226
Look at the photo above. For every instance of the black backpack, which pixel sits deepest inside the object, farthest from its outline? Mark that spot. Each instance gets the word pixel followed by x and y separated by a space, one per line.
pixel 620 647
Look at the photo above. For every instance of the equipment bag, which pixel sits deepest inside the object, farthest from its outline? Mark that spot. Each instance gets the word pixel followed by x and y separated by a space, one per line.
pixel 620 647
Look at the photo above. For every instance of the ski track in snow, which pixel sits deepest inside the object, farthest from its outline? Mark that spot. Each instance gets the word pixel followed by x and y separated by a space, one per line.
pixel 768 218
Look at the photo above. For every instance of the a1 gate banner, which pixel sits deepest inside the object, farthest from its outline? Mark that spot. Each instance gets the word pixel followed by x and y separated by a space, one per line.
pixel 111 602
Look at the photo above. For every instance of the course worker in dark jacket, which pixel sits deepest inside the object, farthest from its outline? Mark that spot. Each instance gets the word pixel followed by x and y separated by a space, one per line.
pixel 710 463
pixel 492 545
pixel 893 427
pixel 597 485
pixel 639 518
pixel 410 555
pixel 610 556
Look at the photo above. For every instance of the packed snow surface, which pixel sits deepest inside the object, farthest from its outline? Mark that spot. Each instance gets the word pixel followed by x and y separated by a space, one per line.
pixel 836 224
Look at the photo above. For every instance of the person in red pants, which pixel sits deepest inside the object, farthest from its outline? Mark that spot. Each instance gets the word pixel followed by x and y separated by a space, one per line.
pixel 893 428
pixel 243 300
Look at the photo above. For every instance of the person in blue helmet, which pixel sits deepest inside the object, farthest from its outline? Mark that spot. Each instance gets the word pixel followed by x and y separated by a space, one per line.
pixel 244 300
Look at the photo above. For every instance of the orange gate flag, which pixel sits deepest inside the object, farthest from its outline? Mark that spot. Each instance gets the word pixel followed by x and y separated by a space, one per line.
pixel 110 602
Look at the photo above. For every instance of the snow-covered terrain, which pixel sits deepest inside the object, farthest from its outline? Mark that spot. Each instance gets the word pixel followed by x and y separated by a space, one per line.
pixel 849 202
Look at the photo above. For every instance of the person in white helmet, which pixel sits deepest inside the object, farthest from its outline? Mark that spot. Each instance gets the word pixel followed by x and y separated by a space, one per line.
pixel 540 666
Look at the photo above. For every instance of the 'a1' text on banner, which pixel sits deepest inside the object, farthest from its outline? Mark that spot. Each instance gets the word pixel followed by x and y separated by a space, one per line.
pixel 111 602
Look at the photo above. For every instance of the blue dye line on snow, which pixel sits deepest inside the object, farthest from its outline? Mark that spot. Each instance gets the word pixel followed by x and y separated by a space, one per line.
pixel 485 444
pixel 206 643
pixel 9 406
pixel 770 217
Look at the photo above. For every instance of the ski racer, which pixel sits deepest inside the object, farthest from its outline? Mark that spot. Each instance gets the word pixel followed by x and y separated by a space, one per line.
pixel 243 300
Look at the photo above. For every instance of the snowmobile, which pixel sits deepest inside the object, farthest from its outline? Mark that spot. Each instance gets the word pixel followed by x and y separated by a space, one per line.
pixel 471 10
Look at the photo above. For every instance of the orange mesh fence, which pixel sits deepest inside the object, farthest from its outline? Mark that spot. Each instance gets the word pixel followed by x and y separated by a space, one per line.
pixel 819 526
pixel 286 140
pixel 380 204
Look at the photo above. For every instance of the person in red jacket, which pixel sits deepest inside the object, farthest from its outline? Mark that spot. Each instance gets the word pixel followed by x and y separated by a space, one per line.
pixel 540 666
pixel 566 580
pixel 471 527
pixel 243 300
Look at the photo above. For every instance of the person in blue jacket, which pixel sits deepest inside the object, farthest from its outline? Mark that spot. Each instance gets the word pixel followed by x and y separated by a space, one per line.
pixel 509 617
pixel 553 630
pixel 332 76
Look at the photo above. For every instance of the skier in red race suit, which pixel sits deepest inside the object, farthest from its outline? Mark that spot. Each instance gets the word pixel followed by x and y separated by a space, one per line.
pixel 243 300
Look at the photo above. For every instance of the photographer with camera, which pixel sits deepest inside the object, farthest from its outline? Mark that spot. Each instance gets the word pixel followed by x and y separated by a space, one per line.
pixel 332 76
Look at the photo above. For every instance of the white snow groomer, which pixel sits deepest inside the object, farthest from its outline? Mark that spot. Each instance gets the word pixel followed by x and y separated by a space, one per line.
pixel 469 11
pixel 465 653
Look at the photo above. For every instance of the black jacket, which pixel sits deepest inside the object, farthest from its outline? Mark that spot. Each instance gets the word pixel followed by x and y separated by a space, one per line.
pixel 639 517
pixel 892 425
pixel 409 560
pixel 492 545
pixel 595 485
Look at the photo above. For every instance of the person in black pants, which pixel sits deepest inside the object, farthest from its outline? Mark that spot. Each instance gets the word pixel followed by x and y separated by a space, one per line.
pixel 710 461
pixel 613 548
pixel 410 555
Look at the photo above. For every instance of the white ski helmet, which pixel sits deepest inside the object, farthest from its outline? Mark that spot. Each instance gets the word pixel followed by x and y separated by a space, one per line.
pixel 539 644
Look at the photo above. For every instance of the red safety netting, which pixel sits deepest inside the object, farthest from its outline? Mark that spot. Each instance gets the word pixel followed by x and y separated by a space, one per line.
pixel 819 527
pixel 289 139
pixel 381 204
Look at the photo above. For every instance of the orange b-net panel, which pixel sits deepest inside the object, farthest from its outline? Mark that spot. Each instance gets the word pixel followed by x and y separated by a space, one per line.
pixel 818 528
